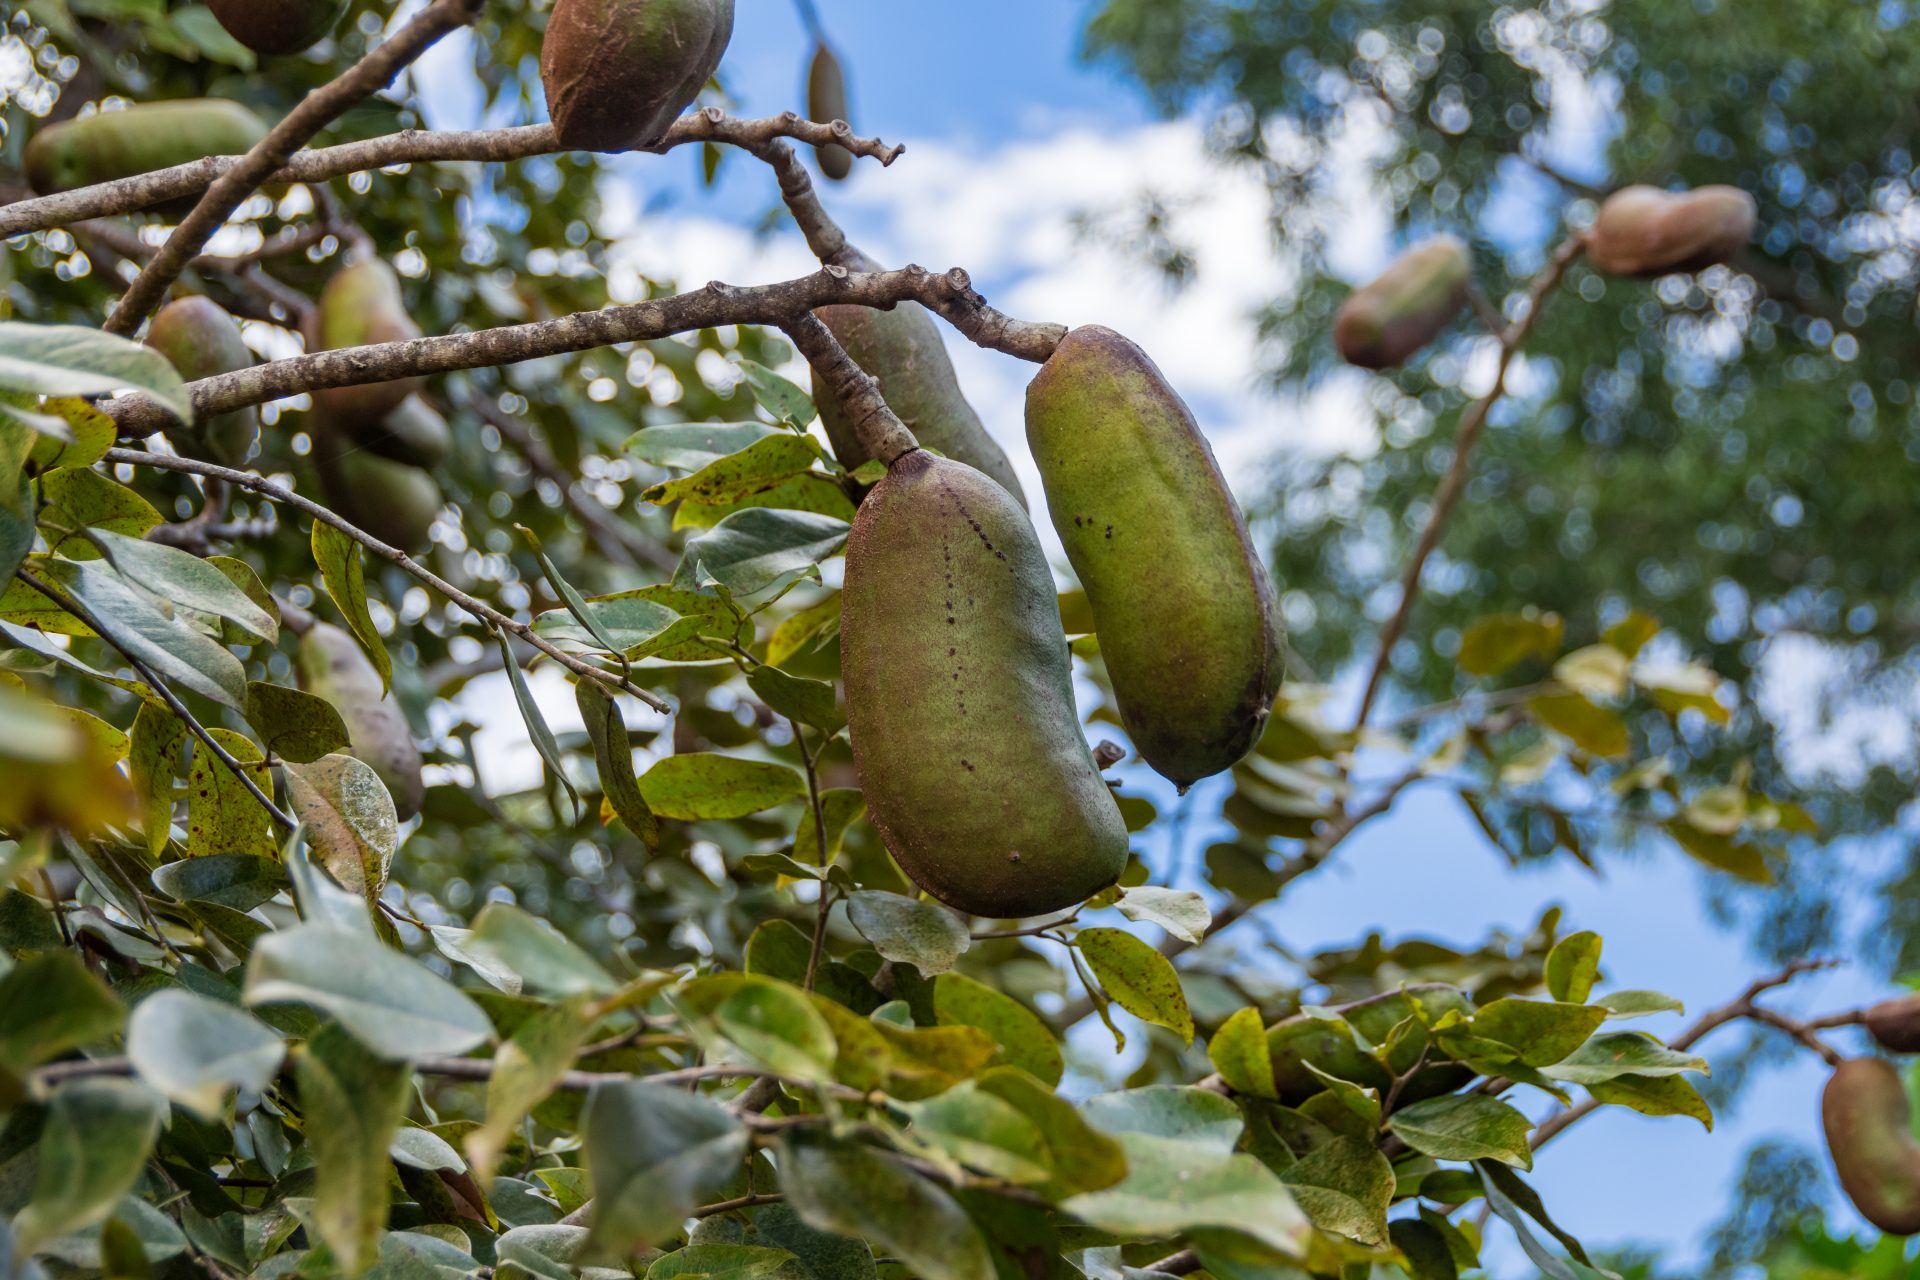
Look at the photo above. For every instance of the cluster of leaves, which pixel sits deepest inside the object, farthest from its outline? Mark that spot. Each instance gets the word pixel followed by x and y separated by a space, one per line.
pixel 699 994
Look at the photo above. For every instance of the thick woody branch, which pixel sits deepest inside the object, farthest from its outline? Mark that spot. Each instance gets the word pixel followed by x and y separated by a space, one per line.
pixel 412 146
pixel 1472 424
pixel 718 304
pixel 881 432
pixel 316 111
pixel 479 609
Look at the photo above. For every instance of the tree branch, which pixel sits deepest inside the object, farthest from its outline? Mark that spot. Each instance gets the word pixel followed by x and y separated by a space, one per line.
pixel 1472 423
pixel 316 111
pixel 411 146
pixel 881 432
pixel 951 293
pixel 477 608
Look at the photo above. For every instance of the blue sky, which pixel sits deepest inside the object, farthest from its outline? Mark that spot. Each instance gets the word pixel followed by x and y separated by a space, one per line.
pixel 1009 136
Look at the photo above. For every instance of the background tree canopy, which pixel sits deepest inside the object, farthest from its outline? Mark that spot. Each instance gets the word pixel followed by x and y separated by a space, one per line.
pixel 673 1008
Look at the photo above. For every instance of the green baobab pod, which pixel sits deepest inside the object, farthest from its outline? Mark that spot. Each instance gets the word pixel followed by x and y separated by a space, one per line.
pixel 1180 601
pixel 1870 1137
pixel 330 665
pixel 902 349
pixel 1644 231
pixel 1895 1024
pixel 414 433
pixel 395 502
pixel 1385 322
pixel 199 339
pixel 275 27
pixel 827 102
pixel 960 699
pixel 618 72
pixel 154 135
pixel 360 306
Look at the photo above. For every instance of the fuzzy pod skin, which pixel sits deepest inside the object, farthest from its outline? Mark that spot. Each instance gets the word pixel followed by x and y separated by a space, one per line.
pixel 1869 1135
pixel 330 665
pixel 1895 1024
pixel 618 72
pixel 415 433
pixel 393 501
pixel 362 305
pixel 109 145
pixel 902 349
pixel 1385 322
pixel 960 699
pixel 1180 601
pixel 1644 231
pixel 199 339
pixel 278 27
pixel 827 102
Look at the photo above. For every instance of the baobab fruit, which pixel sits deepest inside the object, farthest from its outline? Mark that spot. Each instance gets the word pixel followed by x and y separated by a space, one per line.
pixel 393 501
pixel 199 339
pixel 1895 1024
pixel 415 433
pixel 119 144
pixel 331 666
pixel 827 102
pixel 1385 322
pixel 1644 231
pixel 960 699
pixel 618 72
pixel 902 349
pixel 1180 601
pixel 277 27
pixel 1870 1137
pixel 360 306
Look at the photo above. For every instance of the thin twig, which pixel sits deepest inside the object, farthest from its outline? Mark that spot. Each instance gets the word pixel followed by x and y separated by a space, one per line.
pixel 477 608
pixel 1472 423
pixel 315 112
pixel 824 908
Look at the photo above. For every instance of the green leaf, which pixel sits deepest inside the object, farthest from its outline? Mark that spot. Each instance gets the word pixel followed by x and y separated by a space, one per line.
pixel 1082 1158
pixel 153 762
pixel 1019 1034
pixel 757 549
pixel 69 360
pixel 338 558
pixel 1540 1032
pixel 295 725
pixel 613 757
pixel 1468 1126
pixel 759 466
pixel 701 785
pixel 1425 1249
pixel 545 1251
pixel 1738 857
pixel 853 1191
pixel 1573 966
pixel 350 821
pixel 76 503
pixel 1139 978
pixel 536 952
pixel 924 1061
pixel 1654 1096
pixel 654 1153
pixel 1594 729
pixel 194 1050
pixel 1345 1186
pixel 135 623
pixel 772 1023
pixel 320 898
pixel 393 1005
pixel 985 1133
pixel 185 580
pixel 576 607
pixel 223 816
pixel 811 702
pixel 1197 1117
pixel 825 1256
pixel 1181 912
pixel 1639 1004
pixel 1173 1187
pixel 628 624
pixel 727 1262
pixel 353 1103
pixel 1239 1053
pixel 525 1070
pixel 816 624
pixel 197 23
pixel 1510 1196
pixel 810 491
pixel 780 398
pixel 691 446
pixel 1493 645
pixel 1623 1053
pixel 234 880
pixel 909 930
pixel 92 1147
pixel 535 720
